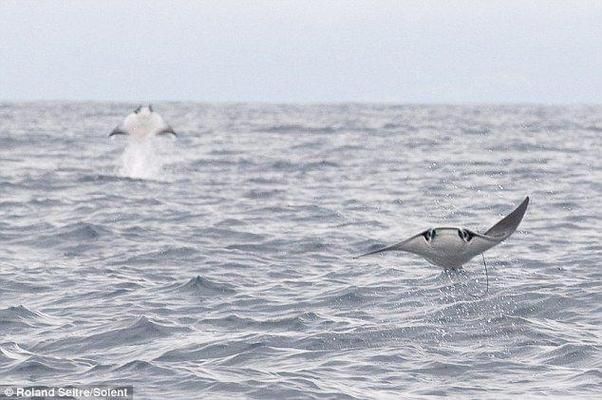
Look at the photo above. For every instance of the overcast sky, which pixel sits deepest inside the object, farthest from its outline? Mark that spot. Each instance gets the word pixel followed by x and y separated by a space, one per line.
pixel 302 51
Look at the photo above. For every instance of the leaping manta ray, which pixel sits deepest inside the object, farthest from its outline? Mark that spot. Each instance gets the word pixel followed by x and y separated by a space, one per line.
pixel 142 123
pixel 452 247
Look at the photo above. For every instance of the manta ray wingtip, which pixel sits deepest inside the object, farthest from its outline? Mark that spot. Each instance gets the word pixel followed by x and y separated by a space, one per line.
pixel 117 131
pixel 507 225
pixel 523 205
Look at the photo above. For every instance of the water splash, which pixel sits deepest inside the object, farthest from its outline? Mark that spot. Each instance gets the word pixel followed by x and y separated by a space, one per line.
pixel 142 160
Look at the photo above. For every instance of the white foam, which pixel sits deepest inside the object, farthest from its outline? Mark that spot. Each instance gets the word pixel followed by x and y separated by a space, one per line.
pixel 142 160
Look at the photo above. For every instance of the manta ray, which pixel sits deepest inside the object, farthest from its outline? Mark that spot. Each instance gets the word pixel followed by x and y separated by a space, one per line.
pixel 142 123
pixel 452 247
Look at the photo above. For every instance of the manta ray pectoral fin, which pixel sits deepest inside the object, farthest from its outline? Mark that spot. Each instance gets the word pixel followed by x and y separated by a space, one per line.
pixel 388 248
pixel 412 245
pixel 118 131
pixel 507 225
pixel 167 131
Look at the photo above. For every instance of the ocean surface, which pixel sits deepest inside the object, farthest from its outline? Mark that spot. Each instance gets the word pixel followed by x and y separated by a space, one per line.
pixel 219 265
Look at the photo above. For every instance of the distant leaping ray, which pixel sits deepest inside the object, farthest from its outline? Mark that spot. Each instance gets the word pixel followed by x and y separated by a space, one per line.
pixel 142 123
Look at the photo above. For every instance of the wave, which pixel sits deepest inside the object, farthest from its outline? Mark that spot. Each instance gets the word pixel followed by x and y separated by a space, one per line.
pixel 20 318
pixel 141 330
pixel 203 287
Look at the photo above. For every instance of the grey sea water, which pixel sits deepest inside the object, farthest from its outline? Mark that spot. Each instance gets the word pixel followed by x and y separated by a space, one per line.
pixel 220 265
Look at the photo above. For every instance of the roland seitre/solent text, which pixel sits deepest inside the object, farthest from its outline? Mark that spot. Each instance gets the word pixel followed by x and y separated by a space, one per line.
pixel 76 392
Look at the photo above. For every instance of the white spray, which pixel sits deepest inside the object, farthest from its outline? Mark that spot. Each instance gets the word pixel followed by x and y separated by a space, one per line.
pixel 140 160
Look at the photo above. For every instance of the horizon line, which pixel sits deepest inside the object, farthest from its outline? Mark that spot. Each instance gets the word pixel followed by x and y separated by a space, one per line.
pixel 310 102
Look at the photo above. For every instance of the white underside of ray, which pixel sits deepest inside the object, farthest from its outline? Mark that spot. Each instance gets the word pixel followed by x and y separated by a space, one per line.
pixel 448 247
pixel 143 123
pixel 138 125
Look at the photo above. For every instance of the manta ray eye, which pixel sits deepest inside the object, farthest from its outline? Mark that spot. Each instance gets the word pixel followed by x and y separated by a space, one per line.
pixel 429 235
pixel 465 235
